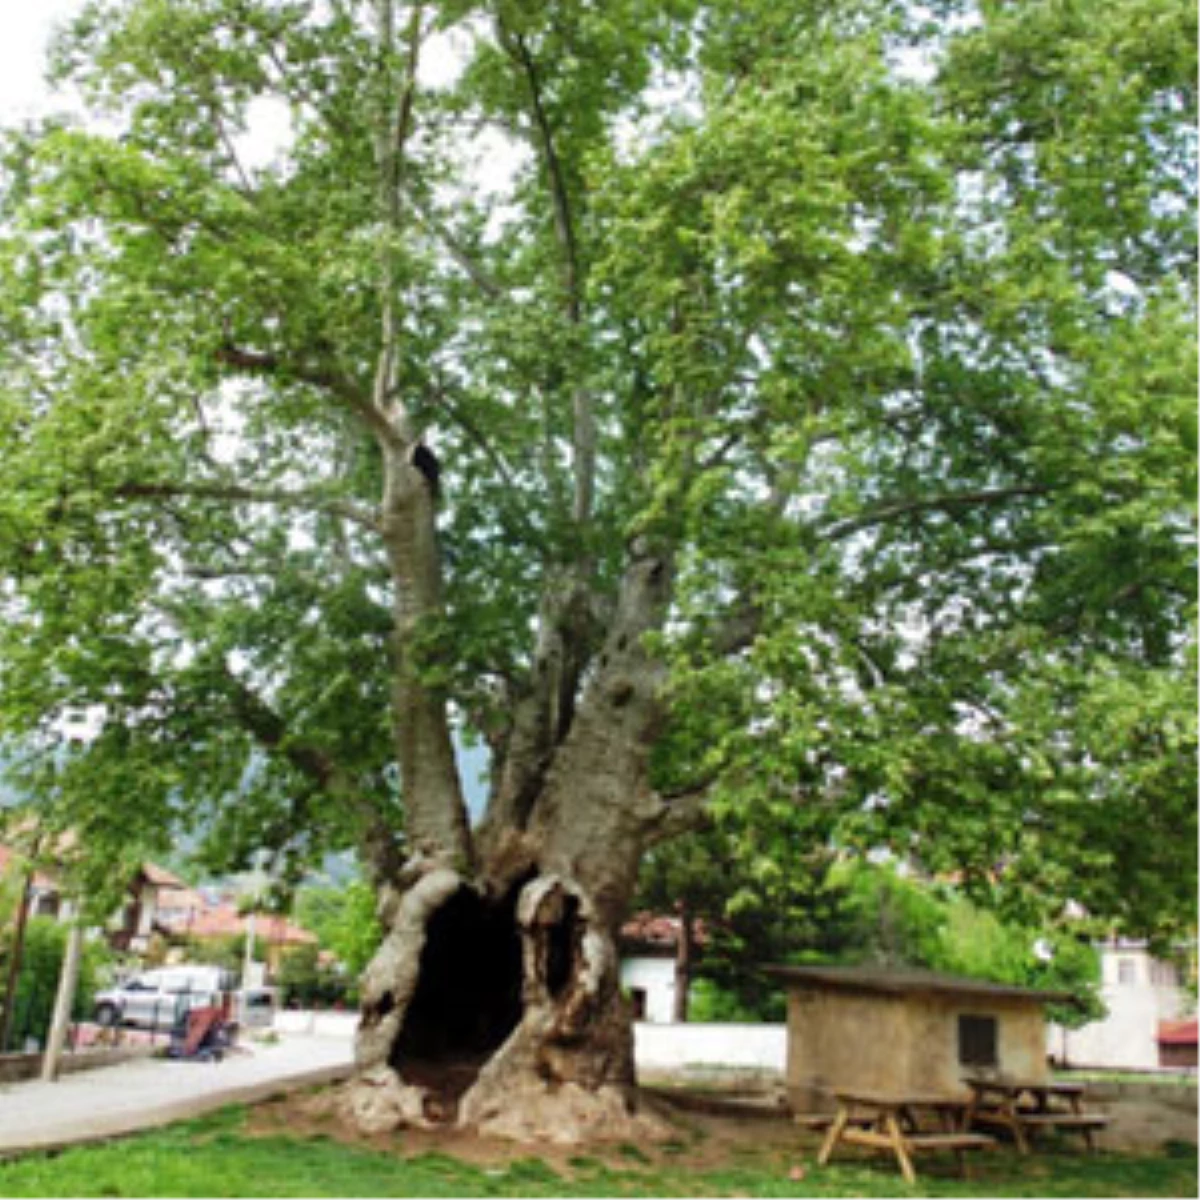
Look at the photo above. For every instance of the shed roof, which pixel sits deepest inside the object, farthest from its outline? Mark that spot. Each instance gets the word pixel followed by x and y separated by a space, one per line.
pixel 906 980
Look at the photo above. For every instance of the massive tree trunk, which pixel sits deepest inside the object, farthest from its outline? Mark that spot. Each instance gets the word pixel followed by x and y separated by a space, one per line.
pixel 494 1000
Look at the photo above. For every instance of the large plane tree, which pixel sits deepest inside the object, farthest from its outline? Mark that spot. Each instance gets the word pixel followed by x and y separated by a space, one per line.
pixel 768 409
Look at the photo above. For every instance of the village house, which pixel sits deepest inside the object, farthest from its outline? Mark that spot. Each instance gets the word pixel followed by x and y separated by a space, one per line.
pixel 656 966
pixel 136 923
pixel 159 903
pixel 274 935
pixel 1143 995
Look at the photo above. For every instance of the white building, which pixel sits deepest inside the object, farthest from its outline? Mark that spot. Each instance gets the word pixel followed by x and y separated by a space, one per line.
pixel 649 981
pixel 1140 991
pixel 650 969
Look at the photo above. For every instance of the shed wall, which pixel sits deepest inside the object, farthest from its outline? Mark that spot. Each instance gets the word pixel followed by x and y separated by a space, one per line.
pixel 905 1042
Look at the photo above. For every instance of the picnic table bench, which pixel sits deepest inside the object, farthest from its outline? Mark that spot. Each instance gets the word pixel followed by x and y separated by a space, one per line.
pixel 1024 1107
pixel 901 1123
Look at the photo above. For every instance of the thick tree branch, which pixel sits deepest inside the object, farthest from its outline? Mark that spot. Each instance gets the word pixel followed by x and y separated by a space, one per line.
pixel 678 814
pixel 737 630
pixel 256 362
pixel 239 494
pixel 393 125
pixel 584 434
pixel 471 266
pixel 564 225
pixel 948 502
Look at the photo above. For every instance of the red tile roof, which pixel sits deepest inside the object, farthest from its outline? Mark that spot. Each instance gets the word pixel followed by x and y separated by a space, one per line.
pixel 225 921
pixel 1177 1033
pixel 156 875
pixel 653 931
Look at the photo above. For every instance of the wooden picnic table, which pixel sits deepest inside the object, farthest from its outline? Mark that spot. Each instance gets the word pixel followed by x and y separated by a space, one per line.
pixel 1025 1106
pixel 906 1123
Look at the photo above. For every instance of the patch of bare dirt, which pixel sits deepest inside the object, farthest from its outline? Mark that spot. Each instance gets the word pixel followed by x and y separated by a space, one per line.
pixel 709 1135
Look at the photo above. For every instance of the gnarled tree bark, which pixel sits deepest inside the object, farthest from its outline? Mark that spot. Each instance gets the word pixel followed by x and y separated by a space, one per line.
pixel 495 998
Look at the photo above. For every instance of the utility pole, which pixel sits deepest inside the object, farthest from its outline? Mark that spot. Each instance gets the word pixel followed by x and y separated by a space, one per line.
pixel 249 975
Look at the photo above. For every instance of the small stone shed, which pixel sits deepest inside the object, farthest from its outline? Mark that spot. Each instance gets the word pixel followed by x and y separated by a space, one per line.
pixel 905 1030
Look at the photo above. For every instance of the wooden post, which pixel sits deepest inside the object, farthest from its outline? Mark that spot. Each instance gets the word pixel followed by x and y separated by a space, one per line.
pixel 68 978
pixel 684 954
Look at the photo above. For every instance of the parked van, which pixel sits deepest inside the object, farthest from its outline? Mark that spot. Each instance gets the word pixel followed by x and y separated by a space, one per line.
pixel 159 997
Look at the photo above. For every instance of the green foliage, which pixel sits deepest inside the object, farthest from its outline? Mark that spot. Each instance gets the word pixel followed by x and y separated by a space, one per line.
pixel 305 982
pixel 897 921
pixel 344 920
pixel 853 913
pixel 37 981
pixel 749 913
pixel 885 316
pixel 712 1002
pixel 893 921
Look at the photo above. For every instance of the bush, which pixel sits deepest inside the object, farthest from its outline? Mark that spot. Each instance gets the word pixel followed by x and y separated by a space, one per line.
pixel 305 982
pixel 37 981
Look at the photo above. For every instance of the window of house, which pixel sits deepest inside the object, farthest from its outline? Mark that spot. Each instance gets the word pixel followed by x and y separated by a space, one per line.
pixel 637 997
pixel 1162 974
pixel 1126 970
pixel 977 1041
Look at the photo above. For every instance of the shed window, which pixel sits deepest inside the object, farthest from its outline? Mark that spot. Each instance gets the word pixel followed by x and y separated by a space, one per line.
pixel 976 1041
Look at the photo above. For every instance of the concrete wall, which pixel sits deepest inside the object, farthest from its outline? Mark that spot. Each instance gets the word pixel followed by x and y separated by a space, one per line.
pixel 1144 1115
pixel 696 1048
pixel 898 1042
pixel 15 1068
pixel 333 1023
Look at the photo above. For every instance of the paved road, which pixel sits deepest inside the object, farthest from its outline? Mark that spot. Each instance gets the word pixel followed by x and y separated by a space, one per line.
pixel 107 1101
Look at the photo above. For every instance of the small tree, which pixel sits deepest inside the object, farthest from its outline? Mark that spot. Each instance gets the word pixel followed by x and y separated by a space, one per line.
pixel 344 920
pixel 754 909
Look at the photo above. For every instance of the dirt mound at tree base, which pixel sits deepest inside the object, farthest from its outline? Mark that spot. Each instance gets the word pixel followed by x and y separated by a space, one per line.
pixel 709 1139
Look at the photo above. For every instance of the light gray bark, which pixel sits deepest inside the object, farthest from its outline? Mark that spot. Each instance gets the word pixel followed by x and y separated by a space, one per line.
pixel 563 892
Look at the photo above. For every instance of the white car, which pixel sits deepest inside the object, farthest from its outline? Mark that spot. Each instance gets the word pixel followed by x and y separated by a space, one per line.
pixel 158 998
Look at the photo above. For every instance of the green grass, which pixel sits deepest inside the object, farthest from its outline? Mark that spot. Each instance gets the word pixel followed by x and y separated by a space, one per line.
pixel 1142 1077
pixel 214 1156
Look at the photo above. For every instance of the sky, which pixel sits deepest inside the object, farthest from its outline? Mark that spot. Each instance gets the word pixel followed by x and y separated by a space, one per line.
pixel 25 27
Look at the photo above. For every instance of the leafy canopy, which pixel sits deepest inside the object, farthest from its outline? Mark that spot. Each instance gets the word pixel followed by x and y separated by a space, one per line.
pixel 883 315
